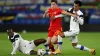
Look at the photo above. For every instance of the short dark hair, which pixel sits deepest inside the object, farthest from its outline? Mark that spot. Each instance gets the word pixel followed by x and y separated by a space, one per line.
pixel 54 1
pixel 9 30
pixel 78 2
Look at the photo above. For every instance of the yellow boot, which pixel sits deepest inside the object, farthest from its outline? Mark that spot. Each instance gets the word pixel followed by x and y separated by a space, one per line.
pixel 93 51
pixel 57 51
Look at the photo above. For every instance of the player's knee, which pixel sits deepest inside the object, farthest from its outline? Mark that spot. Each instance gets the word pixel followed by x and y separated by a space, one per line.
pixel 39 41
pixel 48 41
pixel 62 35
pixel 74 45
pixel 53 41
pixel 43 40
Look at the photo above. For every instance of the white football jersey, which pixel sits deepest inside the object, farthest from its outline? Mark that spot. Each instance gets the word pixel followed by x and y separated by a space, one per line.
pixel 20 44
pixel 74 22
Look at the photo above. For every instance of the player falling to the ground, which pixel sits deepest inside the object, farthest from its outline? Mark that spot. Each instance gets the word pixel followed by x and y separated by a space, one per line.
pixel 24 46
pixel 55 25
pixel 74 27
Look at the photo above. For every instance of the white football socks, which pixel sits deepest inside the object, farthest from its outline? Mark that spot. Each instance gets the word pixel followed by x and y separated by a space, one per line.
pixel 59 42
pixel 82 48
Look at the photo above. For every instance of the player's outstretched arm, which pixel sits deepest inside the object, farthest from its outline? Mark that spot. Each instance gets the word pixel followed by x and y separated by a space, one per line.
pixel 60 15
pixel 16 46
pixel 68 13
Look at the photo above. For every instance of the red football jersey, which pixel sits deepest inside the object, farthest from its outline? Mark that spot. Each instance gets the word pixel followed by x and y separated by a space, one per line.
pixel 56 23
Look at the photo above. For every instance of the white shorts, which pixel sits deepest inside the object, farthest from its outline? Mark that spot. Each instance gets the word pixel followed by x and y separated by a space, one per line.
pixel 29 46
pixel 72 35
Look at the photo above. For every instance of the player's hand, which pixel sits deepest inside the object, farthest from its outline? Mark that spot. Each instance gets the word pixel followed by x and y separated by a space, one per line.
pixel 52 17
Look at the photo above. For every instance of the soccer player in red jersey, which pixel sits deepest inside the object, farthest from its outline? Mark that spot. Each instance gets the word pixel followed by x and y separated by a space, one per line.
pixel 55 27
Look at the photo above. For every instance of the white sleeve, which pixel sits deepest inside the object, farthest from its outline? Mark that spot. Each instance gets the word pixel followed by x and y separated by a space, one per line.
pixel 15 46
pixel 81 20
pixel 60 15
pixel 69 9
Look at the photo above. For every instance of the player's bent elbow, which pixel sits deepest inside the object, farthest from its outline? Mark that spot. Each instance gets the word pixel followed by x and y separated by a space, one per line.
pixel 81 23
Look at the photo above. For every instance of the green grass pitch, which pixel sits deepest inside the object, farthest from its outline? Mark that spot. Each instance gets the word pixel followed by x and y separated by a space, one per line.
pixel 89 39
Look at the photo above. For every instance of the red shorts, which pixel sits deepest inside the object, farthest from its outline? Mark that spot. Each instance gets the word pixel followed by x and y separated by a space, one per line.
pixel 54 32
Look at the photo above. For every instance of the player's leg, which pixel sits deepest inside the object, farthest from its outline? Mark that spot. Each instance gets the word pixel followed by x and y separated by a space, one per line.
pixel 39 41
pixel 32 52
pixel 69 33
pixel 81 47
pixel 50 35
pixel 58 40
pixel 50 44
pixel 72 36
pixel 54 39
pixel 29 49
pixel 62 35
pixel 46 45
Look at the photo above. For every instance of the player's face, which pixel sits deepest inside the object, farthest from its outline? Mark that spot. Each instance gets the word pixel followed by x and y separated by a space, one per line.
pixel 53 5
pixel 76 7
pixel 10 33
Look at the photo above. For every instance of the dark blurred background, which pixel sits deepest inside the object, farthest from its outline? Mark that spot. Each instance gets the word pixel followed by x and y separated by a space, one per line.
pixel 26 15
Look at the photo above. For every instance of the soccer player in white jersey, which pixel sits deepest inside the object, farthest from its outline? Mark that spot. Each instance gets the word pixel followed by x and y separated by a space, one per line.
pixel 74 27
pixel 24 46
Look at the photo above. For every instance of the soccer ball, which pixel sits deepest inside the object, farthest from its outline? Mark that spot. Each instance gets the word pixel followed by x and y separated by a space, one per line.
pixel 41 52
